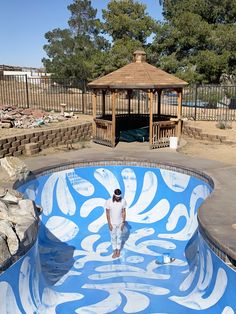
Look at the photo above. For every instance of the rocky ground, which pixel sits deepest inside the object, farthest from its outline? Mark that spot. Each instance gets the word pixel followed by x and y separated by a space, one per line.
pixel 18 121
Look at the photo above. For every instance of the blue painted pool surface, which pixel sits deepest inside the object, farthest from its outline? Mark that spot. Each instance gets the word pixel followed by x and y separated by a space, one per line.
pixel 70 268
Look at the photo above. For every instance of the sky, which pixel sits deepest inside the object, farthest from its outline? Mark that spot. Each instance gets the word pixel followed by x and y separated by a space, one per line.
pixel 23 24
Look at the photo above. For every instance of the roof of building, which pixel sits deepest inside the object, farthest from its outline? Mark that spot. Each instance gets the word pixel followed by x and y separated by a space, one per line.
pixel 138 75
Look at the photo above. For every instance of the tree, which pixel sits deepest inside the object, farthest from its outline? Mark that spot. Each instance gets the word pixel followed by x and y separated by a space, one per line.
pixel 129 26
pixel 197 41
pixel 212 11
pixel 127 19
pixel 121 54
pixel 72 52
pixel 81 52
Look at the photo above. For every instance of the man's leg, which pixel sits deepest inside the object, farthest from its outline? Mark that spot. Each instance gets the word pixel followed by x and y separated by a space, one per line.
pixel 114 241
pixel 118 240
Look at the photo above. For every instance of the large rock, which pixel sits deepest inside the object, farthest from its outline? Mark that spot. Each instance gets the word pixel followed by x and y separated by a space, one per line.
pixel 3 211
pixel 24 210
pixel 19 219
pixel 12 196
pixel 16 168
pixel 6 227
pixel 3 191
pixel 5 255
pixel 28 207
pixel 27 231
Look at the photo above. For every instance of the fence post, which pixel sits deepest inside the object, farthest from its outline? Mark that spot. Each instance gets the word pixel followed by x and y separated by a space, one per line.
pixel 195 103
pixel 83 101
pixel 27 90
pixel 84 92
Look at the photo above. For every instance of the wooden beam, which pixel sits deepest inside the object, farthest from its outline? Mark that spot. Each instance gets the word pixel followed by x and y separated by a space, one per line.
pixel 129 92
pixel 150 102
pixel 103 103
pixel 94 106
pixel 179 112
pixel 113 132
pixel 159 92
pixel 139 102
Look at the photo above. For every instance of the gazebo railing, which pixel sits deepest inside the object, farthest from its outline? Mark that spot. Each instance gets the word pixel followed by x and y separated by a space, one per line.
pixel 103 132
pixel 161 133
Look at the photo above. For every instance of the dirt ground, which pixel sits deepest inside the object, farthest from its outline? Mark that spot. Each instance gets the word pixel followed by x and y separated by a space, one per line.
pixel 225 153
pixel 204 149
pixel 198 148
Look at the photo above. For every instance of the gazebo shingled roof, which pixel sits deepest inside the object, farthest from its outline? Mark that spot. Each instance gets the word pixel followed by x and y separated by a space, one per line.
pixel 138 75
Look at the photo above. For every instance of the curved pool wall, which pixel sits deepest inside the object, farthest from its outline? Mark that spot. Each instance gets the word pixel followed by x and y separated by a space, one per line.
pixel 70 269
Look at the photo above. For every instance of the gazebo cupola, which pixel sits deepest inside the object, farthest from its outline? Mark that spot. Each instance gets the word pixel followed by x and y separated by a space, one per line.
pixel 139 56
pixel 117 108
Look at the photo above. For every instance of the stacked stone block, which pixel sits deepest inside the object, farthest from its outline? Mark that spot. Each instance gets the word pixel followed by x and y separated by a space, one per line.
pixel 31 149
pixel 24 144
pixel 198 134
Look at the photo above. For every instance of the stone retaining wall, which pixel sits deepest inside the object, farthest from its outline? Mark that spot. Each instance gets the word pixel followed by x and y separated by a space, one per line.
pixel 16 145
pixel 197 133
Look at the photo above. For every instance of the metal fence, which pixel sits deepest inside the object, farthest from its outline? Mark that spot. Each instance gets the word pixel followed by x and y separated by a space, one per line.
pixel 200 102
pixel 43 93
pixel 209 102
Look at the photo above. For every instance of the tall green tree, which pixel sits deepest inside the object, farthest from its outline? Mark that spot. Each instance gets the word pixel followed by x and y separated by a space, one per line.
pixel 72 52
pixel 128 19
pixel 129 26
pixel 212 11
pixel 196 40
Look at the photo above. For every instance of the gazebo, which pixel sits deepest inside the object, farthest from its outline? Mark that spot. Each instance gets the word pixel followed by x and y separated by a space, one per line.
pixel 116 107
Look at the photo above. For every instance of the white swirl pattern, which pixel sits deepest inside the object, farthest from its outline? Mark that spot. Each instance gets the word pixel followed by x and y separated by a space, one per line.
pixel 176 182
pixel 61 228
pixel 76 249
pixel 6 294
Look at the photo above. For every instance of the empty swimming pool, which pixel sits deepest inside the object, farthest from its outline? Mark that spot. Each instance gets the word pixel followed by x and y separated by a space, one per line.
pixel 70 268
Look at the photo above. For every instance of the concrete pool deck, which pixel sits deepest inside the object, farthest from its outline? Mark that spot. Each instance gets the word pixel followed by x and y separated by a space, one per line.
pixel 217 215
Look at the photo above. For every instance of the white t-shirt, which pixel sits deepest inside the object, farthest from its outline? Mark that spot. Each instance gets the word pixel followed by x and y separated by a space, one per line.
pixel 115 209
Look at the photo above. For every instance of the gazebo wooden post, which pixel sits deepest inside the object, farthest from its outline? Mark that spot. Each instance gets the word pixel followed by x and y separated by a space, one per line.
pixel 159 92
pixel 113 131
pixel 94 106
pixel 139 102
pixel 103 102
pixel 179 112
pixel 129 100
pixel 150 100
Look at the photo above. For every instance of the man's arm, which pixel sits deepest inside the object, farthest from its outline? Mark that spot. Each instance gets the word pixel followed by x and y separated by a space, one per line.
pixel 109 219
pixel 123 214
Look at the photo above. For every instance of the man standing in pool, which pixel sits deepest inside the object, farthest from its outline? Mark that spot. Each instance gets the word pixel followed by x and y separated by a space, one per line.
pixel 116 214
